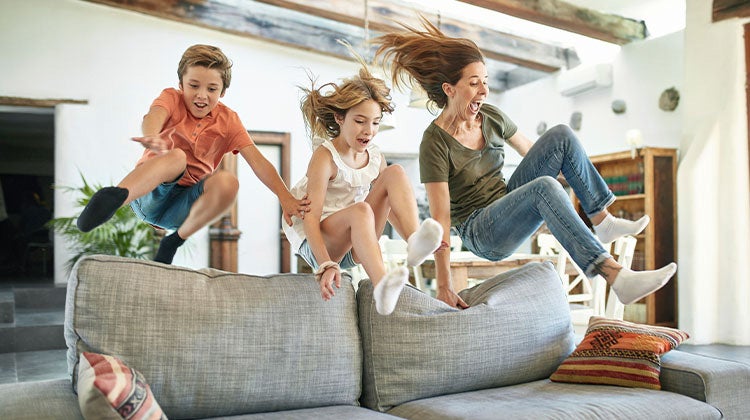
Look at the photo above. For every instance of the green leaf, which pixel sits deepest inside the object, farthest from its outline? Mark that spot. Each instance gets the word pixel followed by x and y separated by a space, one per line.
pixel 124 234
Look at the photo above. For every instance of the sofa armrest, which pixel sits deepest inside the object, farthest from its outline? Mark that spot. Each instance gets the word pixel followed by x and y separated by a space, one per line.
pixel 720 383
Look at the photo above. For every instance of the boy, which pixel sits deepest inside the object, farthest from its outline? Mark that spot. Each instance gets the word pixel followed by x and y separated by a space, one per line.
pixel 186 133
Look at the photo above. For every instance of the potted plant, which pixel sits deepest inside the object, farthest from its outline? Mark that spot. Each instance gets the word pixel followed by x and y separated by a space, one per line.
pixel 124 234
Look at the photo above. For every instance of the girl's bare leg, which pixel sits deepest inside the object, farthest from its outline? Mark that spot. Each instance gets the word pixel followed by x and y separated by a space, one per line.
pixel 392 198
pixel 354 228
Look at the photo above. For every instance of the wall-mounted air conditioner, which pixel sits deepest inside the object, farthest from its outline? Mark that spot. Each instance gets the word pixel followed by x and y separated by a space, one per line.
pixel 584 78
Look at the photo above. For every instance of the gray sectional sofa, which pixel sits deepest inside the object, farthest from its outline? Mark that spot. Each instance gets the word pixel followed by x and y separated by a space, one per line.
pixel 213 344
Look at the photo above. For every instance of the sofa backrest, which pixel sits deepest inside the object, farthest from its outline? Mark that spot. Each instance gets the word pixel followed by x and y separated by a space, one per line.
pixel 211 343
pixel 517 330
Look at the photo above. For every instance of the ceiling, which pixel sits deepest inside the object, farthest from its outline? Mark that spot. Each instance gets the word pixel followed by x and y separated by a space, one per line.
pixel 523 40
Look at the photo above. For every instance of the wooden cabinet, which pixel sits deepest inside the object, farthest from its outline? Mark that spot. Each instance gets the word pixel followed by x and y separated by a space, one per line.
pixel 645 183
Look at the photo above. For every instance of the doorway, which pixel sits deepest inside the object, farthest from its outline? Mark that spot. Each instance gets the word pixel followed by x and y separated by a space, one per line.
pixel 262 247
pixel 27 168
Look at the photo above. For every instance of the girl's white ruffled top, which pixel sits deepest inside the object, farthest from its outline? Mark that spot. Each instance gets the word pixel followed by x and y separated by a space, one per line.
pixel 349 186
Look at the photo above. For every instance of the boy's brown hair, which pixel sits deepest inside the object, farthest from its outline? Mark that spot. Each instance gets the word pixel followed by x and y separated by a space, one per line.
pixel 206 56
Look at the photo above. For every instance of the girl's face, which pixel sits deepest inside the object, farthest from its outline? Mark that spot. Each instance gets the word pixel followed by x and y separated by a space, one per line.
pixel 468 94
pixel 360 124
pixel 201 89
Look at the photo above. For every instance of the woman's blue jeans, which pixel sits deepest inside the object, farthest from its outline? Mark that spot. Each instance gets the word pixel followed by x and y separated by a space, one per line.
pixel 535 196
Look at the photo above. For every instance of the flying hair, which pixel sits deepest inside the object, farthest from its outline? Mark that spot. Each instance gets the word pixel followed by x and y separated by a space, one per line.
pixel 320 105
pixel 426 57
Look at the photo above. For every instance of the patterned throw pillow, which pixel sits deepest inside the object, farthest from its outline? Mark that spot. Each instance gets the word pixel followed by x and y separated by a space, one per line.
pixel 622 353
pixel 108 389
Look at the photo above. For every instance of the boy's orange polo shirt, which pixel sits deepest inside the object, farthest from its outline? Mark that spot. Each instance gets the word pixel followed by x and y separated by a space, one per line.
pixel 205 141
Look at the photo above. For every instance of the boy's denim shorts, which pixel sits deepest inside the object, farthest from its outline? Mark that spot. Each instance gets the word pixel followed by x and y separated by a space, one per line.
pixel 306 254
pixel 168 205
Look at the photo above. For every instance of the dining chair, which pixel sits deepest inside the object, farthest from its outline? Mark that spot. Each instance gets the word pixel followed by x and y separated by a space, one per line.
pixel 585 295
pixel 624 248
pixel 394 254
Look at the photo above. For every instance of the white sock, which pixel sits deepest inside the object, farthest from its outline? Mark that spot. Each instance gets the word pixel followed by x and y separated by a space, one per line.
pixel 389 288
pixel 631 286
pixel 612 228
pixel 423 242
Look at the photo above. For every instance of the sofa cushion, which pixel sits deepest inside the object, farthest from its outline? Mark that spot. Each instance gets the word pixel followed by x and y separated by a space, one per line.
pixel 544 399
pixel 616 352
pixel 43 400
pixel 108 389
pixel 213 343
pixel 343 412
pixel 517 330
pixel 721 383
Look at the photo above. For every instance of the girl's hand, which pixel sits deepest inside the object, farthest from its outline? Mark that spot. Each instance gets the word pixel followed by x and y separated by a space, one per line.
pixel 328 279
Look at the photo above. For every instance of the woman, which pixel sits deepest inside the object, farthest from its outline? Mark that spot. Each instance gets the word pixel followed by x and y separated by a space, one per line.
pixel 353 193
pixel 461 160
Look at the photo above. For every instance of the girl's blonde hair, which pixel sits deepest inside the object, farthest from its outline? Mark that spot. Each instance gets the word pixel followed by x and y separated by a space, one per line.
pixel 427 57
pixel 321 105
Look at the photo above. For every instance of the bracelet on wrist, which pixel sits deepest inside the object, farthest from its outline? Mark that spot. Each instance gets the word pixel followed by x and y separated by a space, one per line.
pixel 322 268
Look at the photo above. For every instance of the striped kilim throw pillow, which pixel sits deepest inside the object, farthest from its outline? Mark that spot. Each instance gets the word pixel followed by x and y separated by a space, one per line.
pixel 622 353
pixel 108 389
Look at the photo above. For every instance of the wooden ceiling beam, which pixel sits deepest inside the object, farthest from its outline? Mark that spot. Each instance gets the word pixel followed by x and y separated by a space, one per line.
pixel 727 9
pixel 293 29
pixel 254 20
pixel 385 15
pixel 559 14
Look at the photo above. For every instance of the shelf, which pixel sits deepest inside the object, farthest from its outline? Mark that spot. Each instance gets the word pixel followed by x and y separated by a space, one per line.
pixel 652 170
pixel 630 197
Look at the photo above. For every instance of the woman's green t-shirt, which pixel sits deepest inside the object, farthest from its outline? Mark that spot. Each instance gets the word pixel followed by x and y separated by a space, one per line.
pixel 475 178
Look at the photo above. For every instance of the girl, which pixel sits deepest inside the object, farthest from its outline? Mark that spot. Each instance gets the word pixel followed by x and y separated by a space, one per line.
pixel 352 192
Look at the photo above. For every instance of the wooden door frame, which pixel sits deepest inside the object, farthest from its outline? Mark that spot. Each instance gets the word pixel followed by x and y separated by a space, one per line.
pixel 747 89
pixel 283 141
pixel 224 234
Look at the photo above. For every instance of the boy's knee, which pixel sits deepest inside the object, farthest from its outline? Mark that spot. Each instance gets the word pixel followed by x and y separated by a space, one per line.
pixel 225 181
pixel 178 155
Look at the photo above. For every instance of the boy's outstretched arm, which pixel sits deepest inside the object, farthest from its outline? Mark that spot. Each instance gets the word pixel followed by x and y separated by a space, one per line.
pixel 152 125
pixel 269 176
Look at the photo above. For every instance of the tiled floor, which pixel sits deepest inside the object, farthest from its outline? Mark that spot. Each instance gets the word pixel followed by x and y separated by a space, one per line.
pixel 33 366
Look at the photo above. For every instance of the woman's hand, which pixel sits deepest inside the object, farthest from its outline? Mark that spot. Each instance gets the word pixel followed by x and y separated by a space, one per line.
pixel 451 298
pixel 329 278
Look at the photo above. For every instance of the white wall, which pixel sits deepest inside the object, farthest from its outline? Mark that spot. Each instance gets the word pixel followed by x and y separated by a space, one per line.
pixel 641 71
pixel 714 204
pixel 119 61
